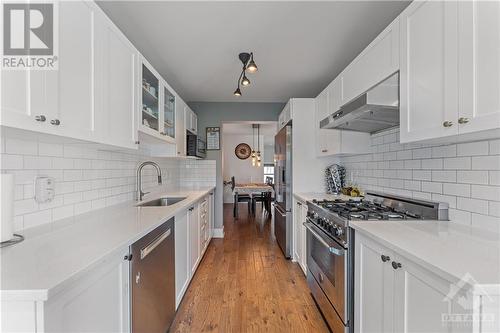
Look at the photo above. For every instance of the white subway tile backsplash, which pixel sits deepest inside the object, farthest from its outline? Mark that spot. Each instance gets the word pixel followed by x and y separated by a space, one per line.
pixel 50 149
pixel 472 148
pixel 461 190
pixel 487 222
pixel 86 178
pixel 473 205
pixel 495 147
pixel 486 162
pixel 472 177
pixel 432 187
pixel 486 192
pixel 457 163
pixel 37 218
pixel 444 176
pixel 444 151
pixel 20 147
pixel 465 175
pixel 435 163
pixel 11 161
pixel 422 153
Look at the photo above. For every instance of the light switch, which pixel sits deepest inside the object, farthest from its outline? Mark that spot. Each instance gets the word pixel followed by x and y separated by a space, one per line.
pixel 44 189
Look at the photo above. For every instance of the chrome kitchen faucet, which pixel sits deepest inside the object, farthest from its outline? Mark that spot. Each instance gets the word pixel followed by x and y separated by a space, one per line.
pixel 141 194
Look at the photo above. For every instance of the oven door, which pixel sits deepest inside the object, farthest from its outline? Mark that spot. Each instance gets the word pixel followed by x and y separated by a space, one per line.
pixel 327 262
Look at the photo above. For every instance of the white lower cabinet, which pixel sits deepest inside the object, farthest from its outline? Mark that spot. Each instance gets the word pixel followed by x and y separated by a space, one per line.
pixel 97 302
pixel 182 259
pixel 300 249
pixel 194 238
pixel 393 294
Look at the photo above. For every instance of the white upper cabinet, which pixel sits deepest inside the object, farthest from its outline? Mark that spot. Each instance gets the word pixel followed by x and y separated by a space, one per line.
pixel 191 120
pixel 116 63
pixel 450 69
pixel 285 116
pixel 92 94
pixel 180 128
pixel 479 66
pixel 428 75
pixel 378 61
pixel 56 101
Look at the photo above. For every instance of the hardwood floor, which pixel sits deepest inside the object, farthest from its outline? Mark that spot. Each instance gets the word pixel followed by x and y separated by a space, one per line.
pixel 244 284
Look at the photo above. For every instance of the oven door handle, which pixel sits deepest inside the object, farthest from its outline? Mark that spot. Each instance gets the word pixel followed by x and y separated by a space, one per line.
pixel 331 249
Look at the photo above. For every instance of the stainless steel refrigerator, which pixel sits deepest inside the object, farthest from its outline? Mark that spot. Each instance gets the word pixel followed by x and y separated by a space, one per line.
pixel 283 189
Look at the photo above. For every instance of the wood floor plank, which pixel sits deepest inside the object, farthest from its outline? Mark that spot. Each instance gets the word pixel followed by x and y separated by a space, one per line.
pixel 244 284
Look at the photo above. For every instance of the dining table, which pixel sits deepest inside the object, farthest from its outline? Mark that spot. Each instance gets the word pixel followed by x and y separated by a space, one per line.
pixel 252 189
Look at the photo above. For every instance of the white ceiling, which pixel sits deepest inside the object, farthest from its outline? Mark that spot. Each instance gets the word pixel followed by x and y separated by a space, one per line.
pixel 299 47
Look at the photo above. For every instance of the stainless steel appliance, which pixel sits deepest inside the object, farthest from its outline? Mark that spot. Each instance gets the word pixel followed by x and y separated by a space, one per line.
pixel 153 280
pixel 195 146
pixel 373 111
pixel 330 246
pixel 283 189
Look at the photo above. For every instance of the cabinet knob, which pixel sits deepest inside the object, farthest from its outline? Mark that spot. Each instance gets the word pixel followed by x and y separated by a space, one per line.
pixel 385 258
pixel 55 122
pixel 396 265
pixel 463 120
pixel 40 118
pixel 447 123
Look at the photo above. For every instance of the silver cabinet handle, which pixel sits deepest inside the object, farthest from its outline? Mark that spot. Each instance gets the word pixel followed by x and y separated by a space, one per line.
pixel 138 278
pixel 151 246
pixel 55 122
pixel 447 124
pixel 463 120
pixel 396 265
pixel 40 118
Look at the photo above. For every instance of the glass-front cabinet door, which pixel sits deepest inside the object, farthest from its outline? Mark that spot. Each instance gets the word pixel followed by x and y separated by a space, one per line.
pixel 168 113
pixel 150 99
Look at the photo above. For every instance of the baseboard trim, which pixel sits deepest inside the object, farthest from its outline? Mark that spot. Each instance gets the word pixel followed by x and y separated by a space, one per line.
pixel 218 232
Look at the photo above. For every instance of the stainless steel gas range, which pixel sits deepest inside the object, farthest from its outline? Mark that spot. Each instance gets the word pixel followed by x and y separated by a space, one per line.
pixel 330 246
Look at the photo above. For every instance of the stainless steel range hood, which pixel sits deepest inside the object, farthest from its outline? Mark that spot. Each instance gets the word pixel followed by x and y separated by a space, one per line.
pixel 375 110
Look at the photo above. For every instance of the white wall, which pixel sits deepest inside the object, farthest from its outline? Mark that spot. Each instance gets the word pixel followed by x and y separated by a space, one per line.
pixel 242 170
pixel 465 175
pixel 87 178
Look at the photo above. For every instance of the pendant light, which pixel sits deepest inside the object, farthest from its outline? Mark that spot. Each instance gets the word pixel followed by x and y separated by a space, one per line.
pixel 248 65
pixel 258 146
pixel 252 67
pixel 253 145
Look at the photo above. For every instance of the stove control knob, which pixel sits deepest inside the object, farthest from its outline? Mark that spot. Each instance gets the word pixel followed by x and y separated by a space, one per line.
pixel 315 215
pixel 339 231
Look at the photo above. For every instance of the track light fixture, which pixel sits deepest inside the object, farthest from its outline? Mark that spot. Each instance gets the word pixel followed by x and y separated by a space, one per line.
pixel 248 65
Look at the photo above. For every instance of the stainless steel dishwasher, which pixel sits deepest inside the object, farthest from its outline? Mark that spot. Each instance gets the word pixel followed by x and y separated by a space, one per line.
pixel 153 280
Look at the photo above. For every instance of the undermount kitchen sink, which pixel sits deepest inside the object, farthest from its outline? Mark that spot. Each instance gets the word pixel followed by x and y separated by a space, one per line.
pixel 165 201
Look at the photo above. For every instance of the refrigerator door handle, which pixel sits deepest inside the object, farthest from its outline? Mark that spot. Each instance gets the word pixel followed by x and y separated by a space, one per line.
pixel 280 210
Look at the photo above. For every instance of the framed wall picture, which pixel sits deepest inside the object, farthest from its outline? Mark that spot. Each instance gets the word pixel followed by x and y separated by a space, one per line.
pixel 213 138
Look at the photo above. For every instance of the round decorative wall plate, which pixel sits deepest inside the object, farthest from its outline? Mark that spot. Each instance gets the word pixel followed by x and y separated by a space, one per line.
pixel 243 151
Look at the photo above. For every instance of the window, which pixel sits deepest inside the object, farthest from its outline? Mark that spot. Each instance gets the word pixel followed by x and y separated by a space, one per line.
pixel 269 173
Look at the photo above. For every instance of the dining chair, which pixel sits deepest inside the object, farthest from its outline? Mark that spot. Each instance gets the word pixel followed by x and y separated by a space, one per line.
pixel 265 199
pixel 240 198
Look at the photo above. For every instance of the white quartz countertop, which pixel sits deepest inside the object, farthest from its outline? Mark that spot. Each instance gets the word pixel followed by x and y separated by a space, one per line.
pixel 448 248
pixel 52 255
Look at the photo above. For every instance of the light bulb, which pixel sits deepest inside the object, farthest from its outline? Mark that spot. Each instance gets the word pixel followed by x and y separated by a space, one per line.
pixel 245 81
pixel 252 67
